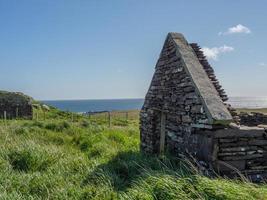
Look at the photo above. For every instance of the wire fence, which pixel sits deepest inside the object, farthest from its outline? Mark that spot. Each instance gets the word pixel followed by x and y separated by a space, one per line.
pixel 114 117
pixel 105 117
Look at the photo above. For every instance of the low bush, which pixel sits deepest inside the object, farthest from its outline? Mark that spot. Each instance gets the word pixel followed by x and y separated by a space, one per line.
pixel 38 124
pixel 58 127
pixel 85 124
pixel 29 159
pixel 21 130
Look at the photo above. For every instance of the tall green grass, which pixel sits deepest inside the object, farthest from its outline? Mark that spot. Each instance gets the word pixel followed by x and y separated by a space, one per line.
pixel 61 158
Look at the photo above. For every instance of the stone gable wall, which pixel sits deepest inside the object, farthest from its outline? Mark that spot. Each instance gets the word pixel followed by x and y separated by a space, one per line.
pixel 173 92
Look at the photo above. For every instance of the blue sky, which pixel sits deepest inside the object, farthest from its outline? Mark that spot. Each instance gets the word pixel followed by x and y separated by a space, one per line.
pixel 67 49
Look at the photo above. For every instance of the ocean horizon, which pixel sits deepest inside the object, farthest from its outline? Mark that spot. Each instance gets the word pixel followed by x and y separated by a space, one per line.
pixel 97 105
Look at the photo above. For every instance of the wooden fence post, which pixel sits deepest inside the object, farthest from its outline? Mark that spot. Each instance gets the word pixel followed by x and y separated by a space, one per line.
pixel 126 115
pixel 162 132
pixel 109 119
pixel 44 115
pixel 17 112
pixel 5 118
pixel 72 117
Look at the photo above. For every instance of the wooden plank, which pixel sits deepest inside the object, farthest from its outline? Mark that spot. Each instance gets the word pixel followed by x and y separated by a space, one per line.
pixel 162 132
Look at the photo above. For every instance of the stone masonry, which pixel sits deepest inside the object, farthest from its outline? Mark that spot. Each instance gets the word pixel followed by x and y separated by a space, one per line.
pixel 185 113
pixel 15 105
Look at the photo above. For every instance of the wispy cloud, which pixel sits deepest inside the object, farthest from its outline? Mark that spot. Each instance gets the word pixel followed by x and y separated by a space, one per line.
pixel 119 70
pixel 236 29
pixel 262 64
pixel 213 53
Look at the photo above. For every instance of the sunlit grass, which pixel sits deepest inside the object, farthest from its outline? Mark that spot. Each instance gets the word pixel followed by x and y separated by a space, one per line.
pixel 74 157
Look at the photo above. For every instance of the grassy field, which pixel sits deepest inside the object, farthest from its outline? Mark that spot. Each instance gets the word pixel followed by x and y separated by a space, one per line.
pixel 66 156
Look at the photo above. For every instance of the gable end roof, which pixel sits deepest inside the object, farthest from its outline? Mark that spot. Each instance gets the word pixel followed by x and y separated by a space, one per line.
pixel 213 105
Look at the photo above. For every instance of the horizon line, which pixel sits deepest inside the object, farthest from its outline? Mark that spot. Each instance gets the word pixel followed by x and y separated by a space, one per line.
pixel 84 99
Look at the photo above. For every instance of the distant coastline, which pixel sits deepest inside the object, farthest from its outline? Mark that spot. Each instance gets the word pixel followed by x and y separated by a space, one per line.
pixel 96 105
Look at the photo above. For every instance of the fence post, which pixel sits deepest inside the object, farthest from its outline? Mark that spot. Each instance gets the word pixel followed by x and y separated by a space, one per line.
pixel 37 117
pixel 109 119
pixel 72 117
pixel 5 117
pixel 44 115
pixel 126 115
pixel 17 112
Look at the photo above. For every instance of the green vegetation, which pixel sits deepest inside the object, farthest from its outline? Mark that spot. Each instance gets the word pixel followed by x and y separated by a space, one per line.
pixel 66 156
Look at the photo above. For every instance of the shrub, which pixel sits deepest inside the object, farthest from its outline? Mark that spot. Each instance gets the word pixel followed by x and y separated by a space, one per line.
pixel 57 140
pixel 29 159
pixel 21 130
pixel 38 124
pixel 39 186
pixel 51 126
pixel 120 122
pixel 85 124
pixel 65 124
pixel 117 137
pixel 58 127
pixel 96 151
pixel 84 145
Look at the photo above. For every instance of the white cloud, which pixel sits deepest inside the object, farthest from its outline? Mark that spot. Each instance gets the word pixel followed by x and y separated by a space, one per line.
pixel 262 64
pixel 213 53
pixel 236 29
pixel 119 70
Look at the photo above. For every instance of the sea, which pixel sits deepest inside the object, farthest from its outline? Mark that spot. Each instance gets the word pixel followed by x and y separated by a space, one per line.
pixel 81 106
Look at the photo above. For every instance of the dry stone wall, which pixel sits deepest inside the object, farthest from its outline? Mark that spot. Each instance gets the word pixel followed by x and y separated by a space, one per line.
pixel 15 105
pixel 171 91
pixel 209 70
pixel 253 119
pixel 236 151
pixel 184 113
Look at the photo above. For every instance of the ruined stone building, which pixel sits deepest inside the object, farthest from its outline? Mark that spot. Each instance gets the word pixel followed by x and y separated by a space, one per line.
pixel 185 113
pixel 15 105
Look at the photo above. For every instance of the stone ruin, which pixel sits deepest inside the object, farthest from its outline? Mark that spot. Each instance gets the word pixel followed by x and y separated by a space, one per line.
pixel 185 113
pixel 15 105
